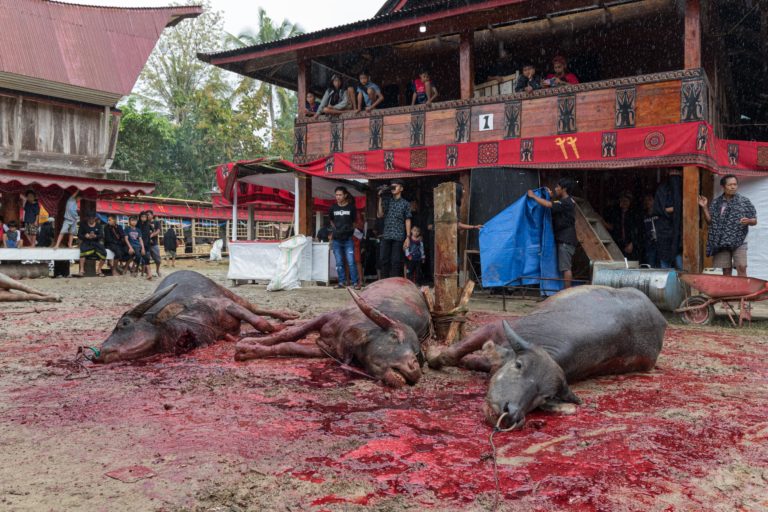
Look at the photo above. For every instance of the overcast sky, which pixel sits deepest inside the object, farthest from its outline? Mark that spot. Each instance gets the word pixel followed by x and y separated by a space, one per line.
pixel 240 14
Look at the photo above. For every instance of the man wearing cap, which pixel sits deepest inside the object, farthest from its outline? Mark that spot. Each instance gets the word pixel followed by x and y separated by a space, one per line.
pixel 561 76
pixel 397 229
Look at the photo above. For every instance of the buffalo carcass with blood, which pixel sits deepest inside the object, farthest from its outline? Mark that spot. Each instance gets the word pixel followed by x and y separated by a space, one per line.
pixel 579 333
pixel 381 332
pixel 187 311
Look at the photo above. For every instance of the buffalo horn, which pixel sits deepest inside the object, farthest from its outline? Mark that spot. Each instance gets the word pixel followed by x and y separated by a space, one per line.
pixel 518 343
pixel 150 301
pixel 371 312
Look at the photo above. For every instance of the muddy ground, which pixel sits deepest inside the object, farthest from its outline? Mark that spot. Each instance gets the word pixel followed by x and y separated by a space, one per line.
pixel 203 433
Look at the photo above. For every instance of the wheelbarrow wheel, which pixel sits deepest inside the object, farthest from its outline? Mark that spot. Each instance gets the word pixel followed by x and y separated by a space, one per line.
pixel 700 316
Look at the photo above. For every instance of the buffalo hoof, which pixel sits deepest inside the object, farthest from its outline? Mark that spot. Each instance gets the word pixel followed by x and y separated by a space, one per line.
pixel 437 359
pixel 245 351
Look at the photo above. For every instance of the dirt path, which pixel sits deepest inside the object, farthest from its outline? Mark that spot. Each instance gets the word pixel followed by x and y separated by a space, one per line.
pixel 203 433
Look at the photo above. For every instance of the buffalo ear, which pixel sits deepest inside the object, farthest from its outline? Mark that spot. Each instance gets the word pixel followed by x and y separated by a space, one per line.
pixel 566 395
pixel 150 301
pixel 497 356
pixel 517 341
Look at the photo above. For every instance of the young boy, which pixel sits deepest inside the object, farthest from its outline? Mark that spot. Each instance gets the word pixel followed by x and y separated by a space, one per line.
pixel 368 93
pixel 114 241
pixel 424 93
pixel 415 255
pixel 311 105
pixel 135 243
pixel 70 221
pixel 528 81
pixel 170 244
pixel 12 237
pixel 90 238
pixel 31 217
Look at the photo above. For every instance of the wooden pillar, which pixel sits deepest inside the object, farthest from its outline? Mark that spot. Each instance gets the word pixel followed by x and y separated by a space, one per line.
pixel 692 255
pixel 17 127
pixel 463 215
pixel 305 74
pixel 251 224
pixel 305 204
pixel 446 264
pixel 467 64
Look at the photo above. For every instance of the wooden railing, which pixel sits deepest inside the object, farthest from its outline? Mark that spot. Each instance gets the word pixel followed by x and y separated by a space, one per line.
pixel 637 101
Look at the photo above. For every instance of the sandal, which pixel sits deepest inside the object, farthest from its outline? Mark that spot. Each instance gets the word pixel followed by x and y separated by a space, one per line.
pixel 339 287
pixel 358 287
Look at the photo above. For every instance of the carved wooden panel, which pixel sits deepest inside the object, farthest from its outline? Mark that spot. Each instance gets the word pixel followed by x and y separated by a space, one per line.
pixel 693 100
pixel 626 106
pixel 566 113
pixel 513 114
pixel 337 136
pixel 375 133
pixel 463 117
pixel 417 128
pixel 299 140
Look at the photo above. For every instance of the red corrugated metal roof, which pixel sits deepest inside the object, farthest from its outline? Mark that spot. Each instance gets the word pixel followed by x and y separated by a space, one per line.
pixel 96 48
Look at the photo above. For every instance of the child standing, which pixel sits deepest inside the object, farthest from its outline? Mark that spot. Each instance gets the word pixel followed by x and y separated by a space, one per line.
pixel 31 217
pixel 415 255
pixel 71 217
pixel 12 237
pixel 135 243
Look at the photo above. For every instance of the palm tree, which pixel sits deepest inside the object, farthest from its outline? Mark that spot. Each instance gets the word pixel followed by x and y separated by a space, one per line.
pixel 266 32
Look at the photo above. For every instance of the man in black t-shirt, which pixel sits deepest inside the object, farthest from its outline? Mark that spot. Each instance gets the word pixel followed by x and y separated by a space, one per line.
pixel 155 228
pixel 563 224
pixel 343 215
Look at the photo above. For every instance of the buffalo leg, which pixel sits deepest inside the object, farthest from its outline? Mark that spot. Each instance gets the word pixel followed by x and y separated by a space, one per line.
pixel 476 363
pixel 450 356
pixel 256 321
pixel 280 315
pixel 293 333
pixel 6 296
pixel 244 352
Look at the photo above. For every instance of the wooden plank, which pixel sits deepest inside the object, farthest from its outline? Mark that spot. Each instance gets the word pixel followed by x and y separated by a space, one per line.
pixel 691 253
pixel 397 131
pixel 441 127
pixel 446 265
pixel 318 138
pixel 596 110
pixel 539 117
pixel 306 220
pixel 588 239
pixel 356 134
pixel 658 104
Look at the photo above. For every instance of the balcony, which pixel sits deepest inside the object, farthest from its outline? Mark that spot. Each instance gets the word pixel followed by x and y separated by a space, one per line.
pixel 637 101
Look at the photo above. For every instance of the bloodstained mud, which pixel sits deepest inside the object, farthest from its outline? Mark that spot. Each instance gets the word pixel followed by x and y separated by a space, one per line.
pixel 691 435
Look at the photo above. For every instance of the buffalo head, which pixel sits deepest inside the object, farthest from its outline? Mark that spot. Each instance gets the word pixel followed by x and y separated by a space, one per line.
pixel 524 377
pixel 392 354
pixel 135 335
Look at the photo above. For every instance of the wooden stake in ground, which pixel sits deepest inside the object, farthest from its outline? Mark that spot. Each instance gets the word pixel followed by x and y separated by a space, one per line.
pixel 7 285
pixel 446 250
pixel 457 325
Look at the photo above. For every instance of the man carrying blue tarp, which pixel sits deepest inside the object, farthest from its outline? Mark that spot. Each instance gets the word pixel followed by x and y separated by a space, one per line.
pixel 563 224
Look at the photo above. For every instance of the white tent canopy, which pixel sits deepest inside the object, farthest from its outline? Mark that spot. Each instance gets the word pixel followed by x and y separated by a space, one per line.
pixel 322 188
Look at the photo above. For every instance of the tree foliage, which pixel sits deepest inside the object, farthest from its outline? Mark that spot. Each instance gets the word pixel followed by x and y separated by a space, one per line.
pixel 188 116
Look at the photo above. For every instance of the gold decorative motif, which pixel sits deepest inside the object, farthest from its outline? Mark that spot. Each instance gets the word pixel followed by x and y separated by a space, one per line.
pixel 571 141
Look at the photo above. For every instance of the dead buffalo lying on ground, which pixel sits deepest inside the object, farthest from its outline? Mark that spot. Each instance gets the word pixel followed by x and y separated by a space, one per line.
pixel 579 333
pixel 381 332
pixel 187 311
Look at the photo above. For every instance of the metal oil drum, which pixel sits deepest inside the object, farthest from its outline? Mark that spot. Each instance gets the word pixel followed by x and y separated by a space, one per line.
pixel 662 286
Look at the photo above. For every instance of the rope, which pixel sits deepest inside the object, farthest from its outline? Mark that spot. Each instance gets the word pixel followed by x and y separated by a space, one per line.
pixel 496 429
pixel 79 363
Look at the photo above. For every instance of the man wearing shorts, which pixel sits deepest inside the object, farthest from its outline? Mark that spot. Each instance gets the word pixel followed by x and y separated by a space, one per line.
pixel 563 224
pixel 729 218
pixel 69 227
pixel 154 240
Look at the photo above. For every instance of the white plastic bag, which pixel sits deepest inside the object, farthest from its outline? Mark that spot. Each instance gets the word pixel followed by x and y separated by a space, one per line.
pixel 216 250
pixel 292 256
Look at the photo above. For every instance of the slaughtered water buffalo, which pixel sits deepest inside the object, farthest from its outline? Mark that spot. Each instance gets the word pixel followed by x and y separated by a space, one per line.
pixel 381 332
pixel 579 333
pixel 187 311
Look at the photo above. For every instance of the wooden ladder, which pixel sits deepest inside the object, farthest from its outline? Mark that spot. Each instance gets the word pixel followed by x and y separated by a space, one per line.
pixel 592 234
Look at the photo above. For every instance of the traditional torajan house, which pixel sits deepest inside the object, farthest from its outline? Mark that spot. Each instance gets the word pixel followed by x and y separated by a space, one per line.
pixel 63 68
pixel 661 87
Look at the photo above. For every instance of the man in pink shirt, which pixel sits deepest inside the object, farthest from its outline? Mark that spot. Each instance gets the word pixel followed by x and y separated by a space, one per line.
pixel 561 76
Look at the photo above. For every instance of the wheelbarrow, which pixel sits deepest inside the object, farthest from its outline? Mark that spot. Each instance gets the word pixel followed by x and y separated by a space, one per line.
pixel 719 289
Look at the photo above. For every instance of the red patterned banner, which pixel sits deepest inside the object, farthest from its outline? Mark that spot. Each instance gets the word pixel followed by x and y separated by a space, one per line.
pixel 672 145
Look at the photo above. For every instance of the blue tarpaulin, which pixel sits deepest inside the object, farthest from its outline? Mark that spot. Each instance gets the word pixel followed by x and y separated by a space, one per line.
pixel 517 247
